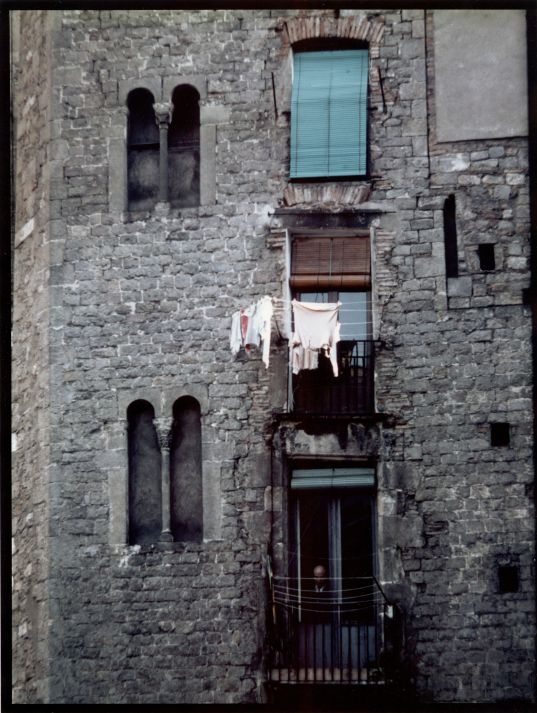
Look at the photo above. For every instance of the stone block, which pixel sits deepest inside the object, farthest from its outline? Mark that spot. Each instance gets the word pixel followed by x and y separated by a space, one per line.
pixel 428 267
pixel 459 286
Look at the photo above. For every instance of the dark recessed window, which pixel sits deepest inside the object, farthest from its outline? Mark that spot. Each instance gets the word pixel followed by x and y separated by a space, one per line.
pixel 184 148
pixel 142 151
pixel 186 491
pixel 450 238
pixel 507 578
pixel 485 253
pixel 499 434
pixel 145 488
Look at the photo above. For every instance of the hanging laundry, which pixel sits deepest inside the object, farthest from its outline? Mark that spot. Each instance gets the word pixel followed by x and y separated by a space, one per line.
pixel 263 324
pixel 316 327
pixel 252 326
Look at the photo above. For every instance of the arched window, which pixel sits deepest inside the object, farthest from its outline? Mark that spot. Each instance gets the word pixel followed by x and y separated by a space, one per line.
pixel 145 487
pixel 142 151
pixel 186 509
pixel 184 148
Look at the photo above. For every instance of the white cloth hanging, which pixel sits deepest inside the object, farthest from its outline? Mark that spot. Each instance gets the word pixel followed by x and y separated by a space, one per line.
pixel 316 327
pixel 252 326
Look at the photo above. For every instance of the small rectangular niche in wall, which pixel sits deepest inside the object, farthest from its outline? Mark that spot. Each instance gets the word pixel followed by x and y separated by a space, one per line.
pixel 487 261
pixel 500 434
pixel 450 237
pixel 507 579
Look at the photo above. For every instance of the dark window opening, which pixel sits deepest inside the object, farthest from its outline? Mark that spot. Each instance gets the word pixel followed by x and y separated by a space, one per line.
pixel 508 579
pixel 184 148
pixel 487 261
pixel 186 510
pixel 142 151
pixel 145 487
pixel 450 237
pixel 499 434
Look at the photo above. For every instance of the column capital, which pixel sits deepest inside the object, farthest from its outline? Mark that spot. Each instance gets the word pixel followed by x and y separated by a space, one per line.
pixel 164 433
pixel 163 113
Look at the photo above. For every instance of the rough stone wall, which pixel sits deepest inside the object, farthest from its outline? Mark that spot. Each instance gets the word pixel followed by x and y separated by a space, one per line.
pixel 145 307
pixel 140 308
pixel 461 360
pixel 30 351
pixel 454 357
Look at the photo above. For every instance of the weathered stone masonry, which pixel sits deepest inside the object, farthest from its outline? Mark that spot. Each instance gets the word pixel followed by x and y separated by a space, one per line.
pixel 112 306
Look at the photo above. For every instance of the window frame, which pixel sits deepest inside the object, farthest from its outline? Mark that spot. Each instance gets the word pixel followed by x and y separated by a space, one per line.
pixel 364 354
pixel 333 496
pixel 211 117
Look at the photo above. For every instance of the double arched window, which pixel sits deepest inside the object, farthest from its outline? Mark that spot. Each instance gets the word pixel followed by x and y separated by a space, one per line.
pixel 165 474
pixel 163 148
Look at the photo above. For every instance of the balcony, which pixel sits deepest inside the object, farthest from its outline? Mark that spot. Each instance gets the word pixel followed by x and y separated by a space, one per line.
pixel 318 391
pixel 346 640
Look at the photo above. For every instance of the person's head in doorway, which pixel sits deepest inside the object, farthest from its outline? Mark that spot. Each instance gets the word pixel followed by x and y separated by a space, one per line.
pixel 319 577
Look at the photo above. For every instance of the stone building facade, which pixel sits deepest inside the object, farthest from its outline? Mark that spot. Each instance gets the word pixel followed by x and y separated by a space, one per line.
pixel 162 485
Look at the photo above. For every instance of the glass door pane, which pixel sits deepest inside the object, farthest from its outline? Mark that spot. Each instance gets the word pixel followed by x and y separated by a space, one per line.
pixel 334 529
pixel 357 556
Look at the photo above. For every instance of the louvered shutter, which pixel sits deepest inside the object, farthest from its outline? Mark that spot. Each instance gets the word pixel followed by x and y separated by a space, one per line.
pixel 331 262
pixel 329 114
pixel 312 478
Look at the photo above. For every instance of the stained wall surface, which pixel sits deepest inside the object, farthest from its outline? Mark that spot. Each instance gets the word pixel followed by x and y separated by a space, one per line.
pixel 491 102
pixel 140 306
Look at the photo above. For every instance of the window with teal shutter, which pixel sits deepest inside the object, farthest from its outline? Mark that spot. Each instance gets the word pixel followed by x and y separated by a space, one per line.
pixel 329 114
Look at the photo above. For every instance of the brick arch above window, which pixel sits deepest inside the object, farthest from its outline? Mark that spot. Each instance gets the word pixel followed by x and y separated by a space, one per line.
pixel 353 28
pixel 325 196
pixel 299 31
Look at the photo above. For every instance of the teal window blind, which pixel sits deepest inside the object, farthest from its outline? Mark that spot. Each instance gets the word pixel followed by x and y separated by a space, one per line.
pixel 313 478
pixel 329 114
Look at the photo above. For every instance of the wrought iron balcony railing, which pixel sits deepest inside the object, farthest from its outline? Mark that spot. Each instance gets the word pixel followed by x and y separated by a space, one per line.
pixel 338 637
pixel 318 391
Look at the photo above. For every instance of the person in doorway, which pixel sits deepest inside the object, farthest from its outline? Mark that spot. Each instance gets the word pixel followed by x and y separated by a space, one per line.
pixel 319 578
pixel 317 640
pixel 321 595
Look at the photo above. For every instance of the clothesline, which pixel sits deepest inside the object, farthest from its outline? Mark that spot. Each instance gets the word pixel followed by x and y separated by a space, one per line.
pixel 311 579
pixel 311 593
pixel 311 601
pixel 294 607
pixel 314 597
pixel 314 579
pixel 284 588
pixel 316 558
